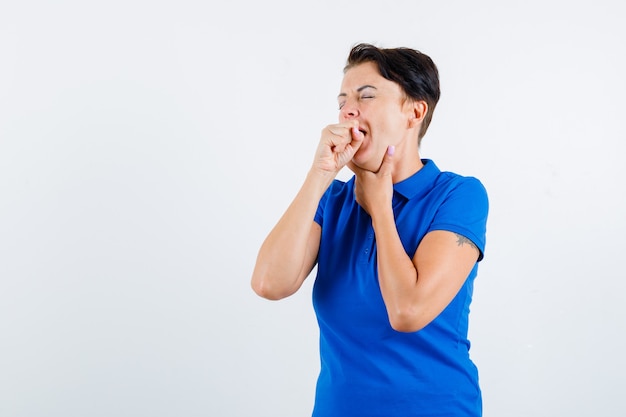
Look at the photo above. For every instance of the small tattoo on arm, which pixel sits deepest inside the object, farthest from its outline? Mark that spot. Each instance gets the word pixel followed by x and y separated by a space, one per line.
pixel 462 240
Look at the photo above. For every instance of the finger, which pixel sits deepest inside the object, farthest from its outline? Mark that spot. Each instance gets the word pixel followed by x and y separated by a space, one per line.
pixel 338 137
pixel 351 143
pixel 357 136
pixel 342 129
pixel 351 148
pixel 387 163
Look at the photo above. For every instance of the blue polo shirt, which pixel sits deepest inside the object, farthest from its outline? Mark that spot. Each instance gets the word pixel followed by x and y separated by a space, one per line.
pixel 367 368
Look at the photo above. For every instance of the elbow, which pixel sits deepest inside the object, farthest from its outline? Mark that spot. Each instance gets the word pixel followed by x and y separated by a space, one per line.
pixel 407 321
pixel 264 289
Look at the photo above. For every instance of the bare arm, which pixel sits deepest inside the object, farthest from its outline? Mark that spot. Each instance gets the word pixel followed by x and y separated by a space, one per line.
pixel 289 252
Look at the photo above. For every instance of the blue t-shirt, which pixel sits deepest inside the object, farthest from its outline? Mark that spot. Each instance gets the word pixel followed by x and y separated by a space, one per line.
pixel 367 368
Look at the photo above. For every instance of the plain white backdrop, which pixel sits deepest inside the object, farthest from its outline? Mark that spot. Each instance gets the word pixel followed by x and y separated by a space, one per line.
pixel 147 147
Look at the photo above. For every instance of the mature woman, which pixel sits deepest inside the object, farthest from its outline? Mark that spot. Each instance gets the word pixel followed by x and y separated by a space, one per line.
pixel 397 248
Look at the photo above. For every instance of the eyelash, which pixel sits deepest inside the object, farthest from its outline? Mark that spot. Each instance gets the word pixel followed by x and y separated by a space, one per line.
pixel 361 98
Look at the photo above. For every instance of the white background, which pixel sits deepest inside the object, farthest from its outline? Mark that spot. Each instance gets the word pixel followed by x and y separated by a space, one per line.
pixel 147 147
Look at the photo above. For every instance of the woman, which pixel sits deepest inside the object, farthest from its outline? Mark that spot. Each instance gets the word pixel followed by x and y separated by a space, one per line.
pixel 397 248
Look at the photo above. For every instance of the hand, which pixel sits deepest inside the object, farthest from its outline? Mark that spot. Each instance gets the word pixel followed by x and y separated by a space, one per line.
pixel 374 190
pixel 337 146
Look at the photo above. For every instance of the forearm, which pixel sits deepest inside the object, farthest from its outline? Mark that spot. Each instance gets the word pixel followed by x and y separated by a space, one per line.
pixel 285 257
pixel 397 274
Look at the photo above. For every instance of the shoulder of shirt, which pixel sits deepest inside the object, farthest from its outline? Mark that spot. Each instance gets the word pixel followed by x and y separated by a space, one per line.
pixel 469 184
pixel 337 185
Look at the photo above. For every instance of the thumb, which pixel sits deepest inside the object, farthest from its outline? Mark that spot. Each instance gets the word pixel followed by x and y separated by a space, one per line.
pixel 357 135
pixel 357 139
pixel 387 163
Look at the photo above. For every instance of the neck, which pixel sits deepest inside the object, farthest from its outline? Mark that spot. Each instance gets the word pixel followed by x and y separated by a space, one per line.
pixel 408 163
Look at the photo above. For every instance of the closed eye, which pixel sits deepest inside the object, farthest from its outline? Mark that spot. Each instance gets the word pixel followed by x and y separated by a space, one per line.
pixel 364 97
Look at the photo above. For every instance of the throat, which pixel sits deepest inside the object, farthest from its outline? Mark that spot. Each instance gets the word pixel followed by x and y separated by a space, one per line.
pixel 406 168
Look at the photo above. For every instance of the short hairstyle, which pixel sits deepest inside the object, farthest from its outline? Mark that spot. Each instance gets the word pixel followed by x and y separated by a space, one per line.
pixel 414 71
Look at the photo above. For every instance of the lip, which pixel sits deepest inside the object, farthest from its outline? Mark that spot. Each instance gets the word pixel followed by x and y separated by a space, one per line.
pixel 361 129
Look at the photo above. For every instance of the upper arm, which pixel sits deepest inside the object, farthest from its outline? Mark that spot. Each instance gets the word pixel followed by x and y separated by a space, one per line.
pixel 443 261
pixel 279 273
pixel 309 261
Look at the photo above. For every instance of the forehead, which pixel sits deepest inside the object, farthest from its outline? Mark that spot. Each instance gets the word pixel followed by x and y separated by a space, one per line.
pixel 365 74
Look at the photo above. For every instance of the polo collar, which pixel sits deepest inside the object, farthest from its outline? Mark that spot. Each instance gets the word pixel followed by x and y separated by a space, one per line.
pixel 419 182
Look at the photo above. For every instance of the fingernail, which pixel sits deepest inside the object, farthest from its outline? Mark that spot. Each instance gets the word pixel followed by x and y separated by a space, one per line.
pixel 391 149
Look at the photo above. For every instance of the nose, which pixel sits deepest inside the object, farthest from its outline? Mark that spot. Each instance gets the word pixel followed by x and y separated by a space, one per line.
pixel 349 110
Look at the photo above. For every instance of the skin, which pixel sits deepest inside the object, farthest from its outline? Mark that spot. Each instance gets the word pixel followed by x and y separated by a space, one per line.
pixel 376 137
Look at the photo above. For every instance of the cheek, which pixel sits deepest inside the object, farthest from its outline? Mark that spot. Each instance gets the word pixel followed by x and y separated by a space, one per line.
pixel 391 132
pixel 369 156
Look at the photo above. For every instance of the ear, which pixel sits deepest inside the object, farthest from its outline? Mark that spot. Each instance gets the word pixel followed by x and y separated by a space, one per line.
pixel 418 112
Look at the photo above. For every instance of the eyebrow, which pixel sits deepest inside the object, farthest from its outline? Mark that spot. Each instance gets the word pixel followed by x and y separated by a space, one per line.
pixel 358 90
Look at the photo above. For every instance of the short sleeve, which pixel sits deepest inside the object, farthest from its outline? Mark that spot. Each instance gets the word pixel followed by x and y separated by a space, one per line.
pixel 464 211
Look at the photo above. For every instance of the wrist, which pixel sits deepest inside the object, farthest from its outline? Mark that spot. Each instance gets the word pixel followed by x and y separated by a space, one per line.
pixel 320 179
pixel 382 216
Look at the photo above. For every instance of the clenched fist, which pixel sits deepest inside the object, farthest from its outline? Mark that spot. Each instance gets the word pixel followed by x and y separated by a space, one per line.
pixel 337 146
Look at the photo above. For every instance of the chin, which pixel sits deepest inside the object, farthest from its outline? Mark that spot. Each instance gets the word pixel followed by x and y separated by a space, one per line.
pixel 365 158
pixel 367 164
